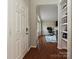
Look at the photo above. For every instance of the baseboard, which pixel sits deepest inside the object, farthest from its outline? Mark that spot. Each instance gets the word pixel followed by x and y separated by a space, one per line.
pixel 28 49
pixel 59 47
pixel 25 52
pixel 33 46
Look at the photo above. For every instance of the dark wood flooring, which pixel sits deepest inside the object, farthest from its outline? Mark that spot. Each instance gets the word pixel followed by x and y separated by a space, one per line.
pixel 46 51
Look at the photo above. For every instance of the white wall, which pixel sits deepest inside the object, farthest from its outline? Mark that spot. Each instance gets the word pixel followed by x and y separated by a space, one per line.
pixel 49 12
pixel 11 24
pixel 34 4
pixel 3 28
pixel 46 24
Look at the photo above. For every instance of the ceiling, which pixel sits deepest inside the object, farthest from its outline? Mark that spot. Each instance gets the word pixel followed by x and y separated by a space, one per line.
pixel 48 12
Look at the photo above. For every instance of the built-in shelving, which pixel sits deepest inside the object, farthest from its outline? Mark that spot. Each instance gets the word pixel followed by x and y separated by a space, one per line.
pixel 63 22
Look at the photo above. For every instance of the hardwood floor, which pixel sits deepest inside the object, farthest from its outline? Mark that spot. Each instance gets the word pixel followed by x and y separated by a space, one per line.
pixel 45 51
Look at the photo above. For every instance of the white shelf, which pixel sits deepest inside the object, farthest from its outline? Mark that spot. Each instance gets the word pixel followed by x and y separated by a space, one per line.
pixel 64 23
pixel 64 10
pixel 64 16
pixel 64 5
pixel 64 39
pixel 64 31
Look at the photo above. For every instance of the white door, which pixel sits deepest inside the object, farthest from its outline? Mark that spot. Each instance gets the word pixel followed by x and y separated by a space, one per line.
pixel 25 29
pixel 22 32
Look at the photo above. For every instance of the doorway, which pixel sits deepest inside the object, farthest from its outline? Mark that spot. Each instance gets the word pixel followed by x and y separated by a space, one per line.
pixel 47 22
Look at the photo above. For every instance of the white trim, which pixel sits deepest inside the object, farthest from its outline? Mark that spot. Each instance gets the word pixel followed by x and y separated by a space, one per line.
pixel 59 47
pixel 25 53
pixel 28 49
pixel 33 46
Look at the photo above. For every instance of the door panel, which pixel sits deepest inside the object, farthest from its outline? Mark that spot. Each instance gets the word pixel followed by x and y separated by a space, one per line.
pixel 18 50
pixel 21 25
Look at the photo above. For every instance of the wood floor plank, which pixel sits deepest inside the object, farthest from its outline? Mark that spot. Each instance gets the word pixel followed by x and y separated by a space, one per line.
pixel 44 51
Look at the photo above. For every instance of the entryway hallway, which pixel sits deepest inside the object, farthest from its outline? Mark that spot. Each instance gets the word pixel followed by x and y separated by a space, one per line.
pixel 22 39
pixel 46 50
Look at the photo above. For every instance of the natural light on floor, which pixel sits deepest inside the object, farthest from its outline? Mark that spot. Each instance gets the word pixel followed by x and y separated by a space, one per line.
pixel 50 38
